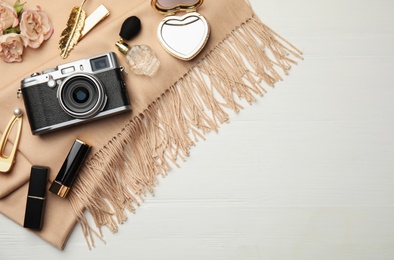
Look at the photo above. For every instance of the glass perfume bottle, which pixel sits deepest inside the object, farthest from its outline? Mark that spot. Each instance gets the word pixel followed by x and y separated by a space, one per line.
pixel 141 58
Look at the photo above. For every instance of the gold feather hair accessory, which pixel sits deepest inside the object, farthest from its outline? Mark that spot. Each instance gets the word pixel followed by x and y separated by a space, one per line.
pixel 71 34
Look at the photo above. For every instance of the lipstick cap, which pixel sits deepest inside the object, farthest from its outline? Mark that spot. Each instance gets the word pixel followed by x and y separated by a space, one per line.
pixel 36 197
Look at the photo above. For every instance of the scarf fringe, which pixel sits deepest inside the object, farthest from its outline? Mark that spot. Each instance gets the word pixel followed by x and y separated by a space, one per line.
pixel 126 169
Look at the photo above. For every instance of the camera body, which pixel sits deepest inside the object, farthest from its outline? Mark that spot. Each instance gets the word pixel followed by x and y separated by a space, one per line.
pixel 75 93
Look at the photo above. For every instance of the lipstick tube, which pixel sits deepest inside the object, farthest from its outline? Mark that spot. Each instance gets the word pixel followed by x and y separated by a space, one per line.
pixel 35 204
pixel 66 176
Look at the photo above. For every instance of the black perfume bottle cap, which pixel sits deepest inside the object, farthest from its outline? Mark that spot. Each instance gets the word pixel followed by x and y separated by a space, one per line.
pixel 36 196
pixel 130 28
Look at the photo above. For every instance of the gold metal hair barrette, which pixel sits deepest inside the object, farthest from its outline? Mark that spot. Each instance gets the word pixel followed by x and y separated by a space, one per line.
pixel 78 25
pixel 7 161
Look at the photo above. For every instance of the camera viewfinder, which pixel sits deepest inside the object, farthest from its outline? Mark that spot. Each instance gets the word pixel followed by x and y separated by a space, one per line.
pixel 99 63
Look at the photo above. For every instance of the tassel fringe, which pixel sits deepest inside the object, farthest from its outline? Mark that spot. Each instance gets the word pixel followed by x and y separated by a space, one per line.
pixel 126 169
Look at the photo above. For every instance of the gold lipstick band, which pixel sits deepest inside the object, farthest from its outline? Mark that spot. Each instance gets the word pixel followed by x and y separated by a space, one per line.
pixel 59 189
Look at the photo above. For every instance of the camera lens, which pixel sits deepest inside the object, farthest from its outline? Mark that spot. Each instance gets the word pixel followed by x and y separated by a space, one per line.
pixel 81 96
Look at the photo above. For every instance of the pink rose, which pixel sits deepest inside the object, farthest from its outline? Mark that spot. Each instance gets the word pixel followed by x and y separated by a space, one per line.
pixel 11 47
pixel 8 17
pixel 35 27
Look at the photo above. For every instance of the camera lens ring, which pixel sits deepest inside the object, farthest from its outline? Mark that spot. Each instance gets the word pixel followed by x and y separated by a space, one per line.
pixel 81 95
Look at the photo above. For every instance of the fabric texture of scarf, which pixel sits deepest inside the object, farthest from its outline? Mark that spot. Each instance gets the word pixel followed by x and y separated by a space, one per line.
pixel 171 111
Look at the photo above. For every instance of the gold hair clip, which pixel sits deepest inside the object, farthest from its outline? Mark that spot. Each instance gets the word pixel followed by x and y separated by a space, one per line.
pixel 7 161
pixel 93 19
pixel 78 25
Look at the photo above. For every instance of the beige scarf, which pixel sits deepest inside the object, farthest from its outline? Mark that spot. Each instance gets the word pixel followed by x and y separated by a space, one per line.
pixel 171 111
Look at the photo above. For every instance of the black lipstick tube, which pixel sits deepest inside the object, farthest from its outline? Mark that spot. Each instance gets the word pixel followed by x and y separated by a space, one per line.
pixel 35 203
pixel 66 176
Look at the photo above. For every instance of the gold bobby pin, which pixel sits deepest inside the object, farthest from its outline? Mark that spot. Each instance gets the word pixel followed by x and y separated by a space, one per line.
pixel 6 162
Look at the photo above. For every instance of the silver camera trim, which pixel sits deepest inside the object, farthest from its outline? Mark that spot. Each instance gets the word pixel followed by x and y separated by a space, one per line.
pixel 101 99
pixel 62 71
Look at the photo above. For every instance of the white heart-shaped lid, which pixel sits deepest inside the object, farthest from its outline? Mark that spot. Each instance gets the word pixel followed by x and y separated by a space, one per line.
pixel 183 36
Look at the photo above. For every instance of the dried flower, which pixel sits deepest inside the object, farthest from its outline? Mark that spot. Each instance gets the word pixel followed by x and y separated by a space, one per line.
pixel 19 28
pixel 36 27
pixel 11 47
pixel 8 17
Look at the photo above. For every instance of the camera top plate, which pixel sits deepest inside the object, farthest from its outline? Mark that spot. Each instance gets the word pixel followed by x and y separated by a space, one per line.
pixel 94 64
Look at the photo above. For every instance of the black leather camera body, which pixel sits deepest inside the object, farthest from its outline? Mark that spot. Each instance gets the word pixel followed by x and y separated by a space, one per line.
pixel 75 93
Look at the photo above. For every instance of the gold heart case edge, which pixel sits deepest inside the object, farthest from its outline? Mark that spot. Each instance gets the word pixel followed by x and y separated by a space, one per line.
pixel 199 47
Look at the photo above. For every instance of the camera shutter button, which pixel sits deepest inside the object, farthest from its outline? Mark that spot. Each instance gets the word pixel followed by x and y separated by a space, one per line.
pixel 51 82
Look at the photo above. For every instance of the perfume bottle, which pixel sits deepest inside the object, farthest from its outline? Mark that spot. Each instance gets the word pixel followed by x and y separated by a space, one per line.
pixel 141 58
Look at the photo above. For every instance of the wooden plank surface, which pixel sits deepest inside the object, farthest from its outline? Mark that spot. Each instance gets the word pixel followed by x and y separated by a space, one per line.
pixel 307 172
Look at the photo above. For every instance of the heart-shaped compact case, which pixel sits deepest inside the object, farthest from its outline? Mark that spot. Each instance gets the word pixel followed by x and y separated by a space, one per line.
pixel 182 36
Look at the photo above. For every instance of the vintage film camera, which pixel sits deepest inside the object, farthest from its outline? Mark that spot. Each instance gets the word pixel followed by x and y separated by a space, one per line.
pixel 75 93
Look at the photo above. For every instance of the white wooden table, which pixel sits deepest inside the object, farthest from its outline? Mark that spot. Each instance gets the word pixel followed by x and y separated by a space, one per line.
pixel 305 173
